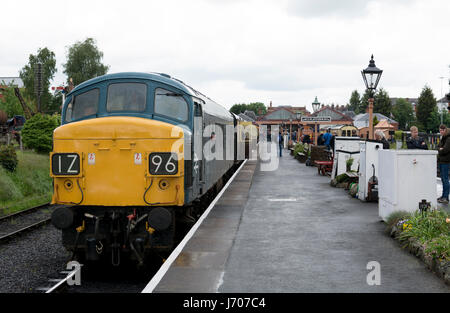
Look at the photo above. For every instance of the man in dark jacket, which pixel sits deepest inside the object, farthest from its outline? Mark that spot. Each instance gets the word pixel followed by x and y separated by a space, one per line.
pixel 306 139
pixel 320 140
pixel 444 162
pixel 416 142
pixel 280 142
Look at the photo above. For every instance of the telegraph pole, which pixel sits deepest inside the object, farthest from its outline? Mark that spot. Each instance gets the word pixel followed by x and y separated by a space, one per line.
pixel 38 84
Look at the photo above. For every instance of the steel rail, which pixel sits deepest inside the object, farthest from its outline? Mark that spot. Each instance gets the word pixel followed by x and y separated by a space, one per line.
pixel 26 211
pixel 61 282
pixel 24 229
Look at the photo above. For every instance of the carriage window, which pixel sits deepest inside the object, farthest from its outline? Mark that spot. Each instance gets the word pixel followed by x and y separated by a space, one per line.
pixel 83 105
pixel 126 97
pixel 171 104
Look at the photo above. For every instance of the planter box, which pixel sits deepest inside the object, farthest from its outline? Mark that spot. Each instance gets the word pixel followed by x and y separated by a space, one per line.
pixel 345 148
pixel 406 177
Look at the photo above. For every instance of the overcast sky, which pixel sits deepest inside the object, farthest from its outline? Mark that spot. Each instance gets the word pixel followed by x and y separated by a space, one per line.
pixel 234 51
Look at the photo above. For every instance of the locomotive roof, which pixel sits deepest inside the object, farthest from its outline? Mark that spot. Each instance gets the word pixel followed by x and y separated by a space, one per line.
pixel 211 106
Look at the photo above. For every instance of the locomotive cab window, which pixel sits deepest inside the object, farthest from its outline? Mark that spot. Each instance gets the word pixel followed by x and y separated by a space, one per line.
pixel 82 105
pixel 126 97
pixel 171 104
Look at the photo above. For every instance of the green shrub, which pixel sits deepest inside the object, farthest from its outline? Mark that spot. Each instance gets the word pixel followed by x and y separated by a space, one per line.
pixel 8 158
pixel 427 226
pixel 439 247
pixel 299 148
pixel 342 178
pixel 396 217
pixel 349 162
pixel 398 135
pixel 37 132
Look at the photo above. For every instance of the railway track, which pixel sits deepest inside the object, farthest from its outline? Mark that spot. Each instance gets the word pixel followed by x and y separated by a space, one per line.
pixel 59 284
pixel 15 227
pixel 23 212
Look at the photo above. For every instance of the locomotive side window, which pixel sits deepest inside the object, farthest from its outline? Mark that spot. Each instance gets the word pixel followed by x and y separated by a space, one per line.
pixel 83 105
pixel 171 104
pixel 126 97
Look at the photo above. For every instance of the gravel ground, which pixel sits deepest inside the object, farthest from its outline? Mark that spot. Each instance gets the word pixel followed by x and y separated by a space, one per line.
pixel 126 279
pixel 22 221
pixel 27 261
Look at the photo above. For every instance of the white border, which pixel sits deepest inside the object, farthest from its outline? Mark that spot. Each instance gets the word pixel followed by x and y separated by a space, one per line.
pixel 165 267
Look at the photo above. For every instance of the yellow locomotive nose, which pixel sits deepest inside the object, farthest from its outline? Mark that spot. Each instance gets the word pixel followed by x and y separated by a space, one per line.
pixel 118 161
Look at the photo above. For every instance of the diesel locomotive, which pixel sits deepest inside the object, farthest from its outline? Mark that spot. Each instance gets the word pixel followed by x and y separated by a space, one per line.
pixel 129 165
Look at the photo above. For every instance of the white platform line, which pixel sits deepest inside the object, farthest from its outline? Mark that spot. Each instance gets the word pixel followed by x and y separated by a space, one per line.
pixel 282 199
pixel 165 267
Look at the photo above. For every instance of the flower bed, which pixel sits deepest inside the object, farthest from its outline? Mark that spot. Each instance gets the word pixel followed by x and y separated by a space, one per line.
pixel 427 236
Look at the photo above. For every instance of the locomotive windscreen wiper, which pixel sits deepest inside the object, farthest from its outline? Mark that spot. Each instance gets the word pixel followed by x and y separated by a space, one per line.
pixel 171 94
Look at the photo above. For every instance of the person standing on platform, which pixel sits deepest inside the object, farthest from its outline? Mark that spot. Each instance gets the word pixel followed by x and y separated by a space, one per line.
pixel 416 142
pixel 280 142
pixel 327 138
pixel 306 139
pixel 320 140
pixel 444 162
pixel 379 137
pixel 332 142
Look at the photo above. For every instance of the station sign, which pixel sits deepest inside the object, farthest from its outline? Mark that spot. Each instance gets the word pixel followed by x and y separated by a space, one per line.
pixel 316 118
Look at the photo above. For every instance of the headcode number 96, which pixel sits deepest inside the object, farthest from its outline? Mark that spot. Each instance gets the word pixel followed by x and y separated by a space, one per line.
pixel 163 163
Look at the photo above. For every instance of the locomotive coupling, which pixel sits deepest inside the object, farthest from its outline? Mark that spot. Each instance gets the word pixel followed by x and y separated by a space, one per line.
pixel 62 218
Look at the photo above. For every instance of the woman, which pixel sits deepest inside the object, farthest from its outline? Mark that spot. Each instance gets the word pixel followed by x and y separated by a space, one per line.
pixel 444 162
pixel 379 136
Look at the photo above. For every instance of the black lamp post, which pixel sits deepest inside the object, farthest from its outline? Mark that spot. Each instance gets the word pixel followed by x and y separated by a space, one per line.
pixel 371 76
pixel 316 106
pixel 298 117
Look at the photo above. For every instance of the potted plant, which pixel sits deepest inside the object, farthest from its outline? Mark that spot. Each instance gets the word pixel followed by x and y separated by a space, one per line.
pixel 349 164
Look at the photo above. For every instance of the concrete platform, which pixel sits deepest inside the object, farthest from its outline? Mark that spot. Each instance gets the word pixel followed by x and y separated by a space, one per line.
pixel 289 231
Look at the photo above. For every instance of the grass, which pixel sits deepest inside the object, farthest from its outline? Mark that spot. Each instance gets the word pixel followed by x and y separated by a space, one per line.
pixel 30 185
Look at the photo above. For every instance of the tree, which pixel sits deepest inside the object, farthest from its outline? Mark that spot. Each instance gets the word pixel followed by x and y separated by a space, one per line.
pixel 254 106
pixel 403 113
pixel 434 121
pixel 238 108
pixel 84 62
pixel 355 102
pixel 382 104
pixel 425 107
pixel 9 102
pixel 257 107
pixel 27 74
pixel 364 103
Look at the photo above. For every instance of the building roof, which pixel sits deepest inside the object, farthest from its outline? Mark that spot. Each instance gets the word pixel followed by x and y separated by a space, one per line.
pixel 293 109
pixel 442 100
pixel 247 116
pixel 280 113
pixel 384 124
pixel 333 113
pixel 15 81
pixel 362 120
